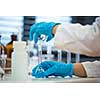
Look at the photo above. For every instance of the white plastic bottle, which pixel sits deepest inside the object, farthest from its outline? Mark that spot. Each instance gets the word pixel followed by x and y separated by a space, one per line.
pixel 19 62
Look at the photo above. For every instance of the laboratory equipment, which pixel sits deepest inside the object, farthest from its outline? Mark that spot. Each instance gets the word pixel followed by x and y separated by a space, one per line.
pixel 39 51
pixel 1 73
pixel 42 39
pixel 49 53
pixel 68 57
pixel 19 33
pixel 3 57
pixel 32 55
pixel 2 64
pixel 19 61
pixel 59 55
pixel 50 45
pixel 9 46
pixel 77 58
pixel 2 47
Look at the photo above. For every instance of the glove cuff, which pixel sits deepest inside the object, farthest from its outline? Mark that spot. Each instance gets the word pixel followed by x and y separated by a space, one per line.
pixel 72 70
pixel 50 31
pixel 51 25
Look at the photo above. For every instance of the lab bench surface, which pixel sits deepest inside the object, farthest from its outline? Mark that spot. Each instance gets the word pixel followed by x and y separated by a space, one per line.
pixel 7 79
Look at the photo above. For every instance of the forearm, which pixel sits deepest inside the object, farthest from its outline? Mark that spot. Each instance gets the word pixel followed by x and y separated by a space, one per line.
pixel 78 67
pixel 79 70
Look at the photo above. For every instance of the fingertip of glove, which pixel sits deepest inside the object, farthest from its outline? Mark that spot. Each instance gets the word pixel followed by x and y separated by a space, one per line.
pixel 35 37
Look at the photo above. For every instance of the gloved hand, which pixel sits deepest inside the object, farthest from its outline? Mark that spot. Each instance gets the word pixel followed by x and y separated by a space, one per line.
pixel 53 68
pixel 41 28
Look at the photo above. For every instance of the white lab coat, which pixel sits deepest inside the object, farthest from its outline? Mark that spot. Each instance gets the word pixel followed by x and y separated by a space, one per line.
pixel 81 39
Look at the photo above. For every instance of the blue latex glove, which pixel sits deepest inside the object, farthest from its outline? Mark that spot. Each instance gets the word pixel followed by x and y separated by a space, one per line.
pixel 53 68
pixel 41 28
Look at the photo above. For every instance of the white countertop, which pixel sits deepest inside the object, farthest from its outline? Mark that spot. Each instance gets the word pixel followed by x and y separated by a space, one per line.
pixel 7 79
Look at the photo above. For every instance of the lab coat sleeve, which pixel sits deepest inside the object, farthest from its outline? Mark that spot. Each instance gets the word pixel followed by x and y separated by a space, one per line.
pixel 77 38
pixel 92 69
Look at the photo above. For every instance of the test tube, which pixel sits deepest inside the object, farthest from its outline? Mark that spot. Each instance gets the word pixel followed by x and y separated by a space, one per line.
pixel 68 57
pixel 77 58
pixel 40 52
pixel 49 52
pixel 3 58
pixel 59 55
pixel 19 33
pixel 41 40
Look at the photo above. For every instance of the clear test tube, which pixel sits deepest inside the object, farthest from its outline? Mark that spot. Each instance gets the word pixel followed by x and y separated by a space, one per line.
pixel 77 58
pixel 39 55
pixel 59 55
pixel 68 57
pixel 39 52
pixel 49 52
pixel 41 40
